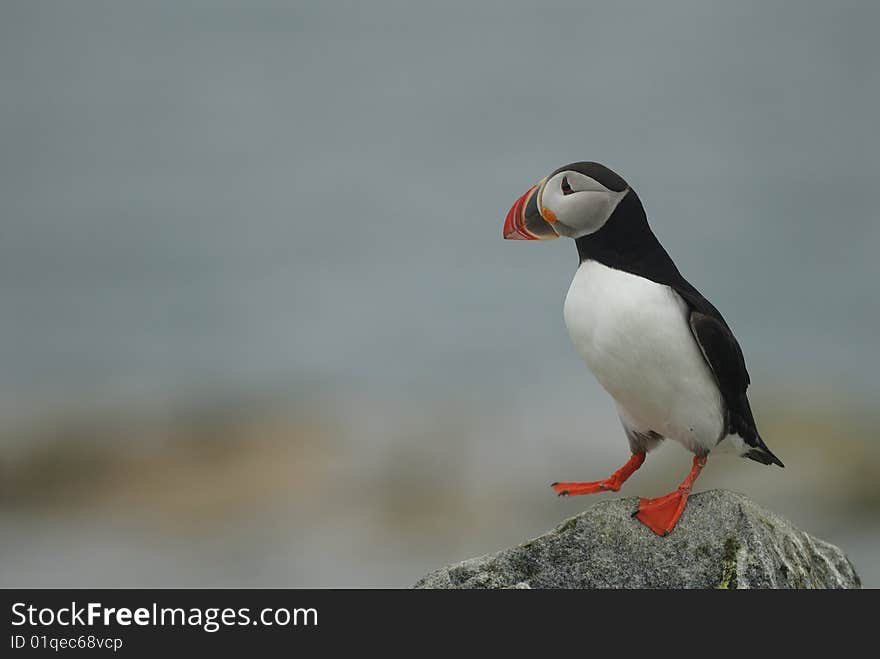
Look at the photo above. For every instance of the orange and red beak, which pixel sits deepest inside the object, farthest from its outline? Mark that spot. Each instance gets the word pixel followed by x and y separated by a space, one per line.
pixel 524 219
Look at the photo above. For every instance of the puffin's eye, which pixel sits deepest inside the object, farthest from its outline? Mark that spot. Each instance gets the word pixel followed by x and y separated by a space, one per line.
pixel 566 188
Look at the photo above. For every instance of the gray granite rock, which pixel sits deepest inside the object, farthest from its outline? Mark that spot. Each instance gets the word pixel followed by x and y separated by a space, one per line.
pixel 723 540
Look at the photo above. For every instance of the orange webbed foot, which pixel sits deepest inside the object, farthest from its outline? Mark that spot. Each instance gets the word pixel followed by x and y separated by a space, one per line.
pixel 592 487
pixel 612 483
pixel 662 514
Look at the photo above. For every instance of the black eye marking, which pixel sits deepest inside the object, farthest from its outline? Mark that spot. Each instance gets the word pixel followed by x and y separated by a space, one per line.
pixel 566 188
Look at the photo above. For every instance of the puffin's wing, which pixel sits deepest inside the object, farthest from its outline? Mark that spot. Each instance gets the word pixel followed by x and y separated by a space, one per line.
pixel 722 353
pixel 724 356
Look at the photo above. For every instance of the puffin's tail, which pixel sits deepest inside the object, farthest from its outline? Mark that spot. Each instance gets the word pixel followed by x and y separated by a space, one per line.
pixel 760 453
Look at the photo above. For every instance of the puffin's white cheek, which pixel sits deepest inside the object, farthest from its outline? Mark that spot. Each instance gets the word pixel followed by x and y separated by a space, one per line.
pixel 587 211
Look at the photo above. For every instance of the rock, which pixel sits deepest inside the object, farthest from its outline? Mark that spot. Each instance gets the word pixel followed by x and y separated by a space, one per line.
pixel 723 540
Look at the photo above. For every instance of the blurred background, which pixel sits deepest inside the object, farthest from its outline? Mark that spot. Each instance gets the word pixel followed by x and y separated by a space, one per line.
pixel 258 323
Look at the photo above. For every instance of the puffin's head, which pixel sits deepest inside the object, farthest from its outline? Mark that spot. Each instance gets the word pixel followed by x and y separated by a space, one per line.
pixel 574 201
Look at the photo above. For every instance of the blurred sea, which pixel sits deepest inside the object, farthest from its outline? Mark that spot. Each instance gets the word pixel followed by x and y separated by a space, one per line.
pixel 259 325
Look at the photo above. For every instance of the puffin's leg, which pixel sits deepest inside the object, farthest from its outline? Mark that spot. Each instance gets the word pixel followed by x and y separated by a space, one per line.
pixel 661 514
pixel 612 483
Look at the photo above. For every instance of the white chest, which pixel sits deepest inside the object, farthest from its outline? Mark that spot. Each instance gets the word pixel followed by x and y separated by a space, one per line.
pixel 635 337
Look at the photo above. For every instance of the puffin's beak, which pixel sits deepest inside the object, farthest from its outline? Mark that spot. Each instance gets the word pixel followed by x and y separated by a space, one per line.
pixel 524 220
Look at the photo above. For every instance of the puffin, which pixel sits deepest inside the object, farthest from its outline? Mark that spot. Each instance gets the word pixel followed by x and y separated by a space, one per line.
pixel 663 352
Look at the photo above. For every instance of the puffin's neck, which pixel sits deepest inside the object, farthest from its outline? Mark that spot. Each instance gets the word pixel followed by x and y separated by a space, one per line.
pixel 627 243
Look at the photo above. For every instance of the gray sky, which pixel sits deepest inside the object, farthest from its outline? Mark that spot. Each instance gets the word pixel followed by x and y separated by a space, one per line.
pixel 198 195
